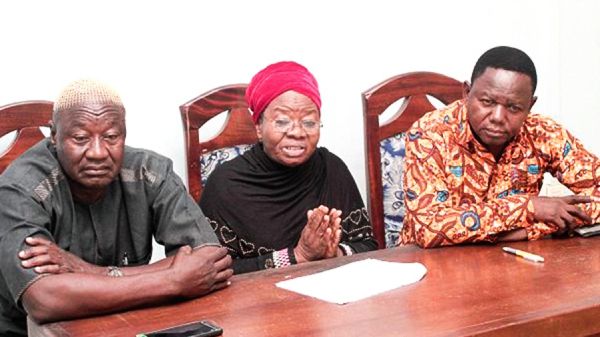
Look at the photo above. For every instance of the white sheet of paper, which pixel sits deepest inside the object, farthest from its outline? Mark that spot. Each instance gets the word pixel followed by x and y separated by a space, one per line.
pixel 355 281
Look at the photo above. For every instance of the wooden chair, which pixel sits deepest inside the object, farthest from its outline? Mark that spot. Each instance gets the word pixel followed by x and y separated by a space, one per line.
pixel 25 118
pixel 237 130
pixel 414 88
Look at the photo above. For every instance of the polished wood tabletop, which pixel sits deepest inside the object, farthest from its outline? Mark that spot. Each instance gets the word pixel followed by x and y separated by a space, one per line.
pixel 475 290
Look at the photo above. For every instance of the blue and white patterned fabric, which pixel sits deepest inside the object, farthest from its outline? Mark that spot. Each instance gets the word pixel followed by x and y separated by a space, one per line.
pixel 210 160
pixel 392 157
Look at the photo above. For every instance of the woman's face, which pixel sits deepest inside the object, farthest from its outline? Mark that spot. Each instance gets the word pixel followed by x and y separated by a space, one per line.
pixel 290 128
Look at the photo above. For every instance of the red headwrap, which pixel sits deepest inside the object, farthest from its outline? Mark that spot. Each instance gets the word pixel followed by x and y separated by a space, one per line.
pixel 276 79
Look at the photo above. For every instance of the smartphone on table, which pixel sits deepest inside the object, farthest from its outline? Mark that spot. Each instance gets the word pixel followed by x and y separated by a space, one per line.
pixel 196 329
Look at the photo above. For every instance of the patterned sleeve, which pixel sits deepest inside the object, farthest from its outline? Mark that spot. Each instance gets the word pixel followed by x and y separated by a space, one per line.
pixel 574 166
pixel 539 230
pixel 436 218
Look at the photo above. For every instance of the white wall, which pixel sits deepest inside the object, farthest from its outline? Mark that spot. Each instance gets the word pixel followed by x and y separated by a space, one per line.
pixel 159 54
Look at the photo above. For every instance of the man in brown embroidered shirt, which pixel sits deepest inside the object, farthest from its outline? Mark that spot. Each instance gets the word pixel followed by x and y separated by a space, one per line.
pixel 81 208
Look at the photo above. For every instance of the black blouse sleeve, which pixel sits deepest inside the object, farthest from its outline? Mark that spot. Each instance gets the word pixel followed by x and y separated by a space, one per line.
pixel 267 261
pixel 357 232
pixel 250 264
pixel 246 264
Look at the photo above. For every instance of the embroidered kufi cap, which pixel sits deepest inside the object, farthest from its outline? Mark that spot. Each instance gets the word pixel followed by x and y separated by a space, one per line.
pixel 86 91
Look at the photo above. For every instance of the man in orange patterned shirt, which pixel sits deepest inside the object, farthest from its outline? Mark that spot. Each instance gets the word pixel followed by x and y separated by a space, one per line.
pixel 473 170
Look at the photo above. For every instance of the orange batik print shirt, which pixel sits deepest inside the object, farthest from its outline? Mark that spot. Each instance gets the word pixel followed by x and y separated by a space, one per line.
pixel 455 191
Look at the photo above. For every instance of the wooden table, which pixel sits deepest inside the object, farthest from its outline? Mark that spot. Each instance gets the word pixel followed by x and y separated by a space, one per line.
pixel 469 290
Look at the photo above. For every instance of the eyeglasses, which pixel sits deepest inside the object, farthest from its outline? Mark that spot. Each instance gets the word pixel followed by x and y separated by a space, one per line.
pixel 285 125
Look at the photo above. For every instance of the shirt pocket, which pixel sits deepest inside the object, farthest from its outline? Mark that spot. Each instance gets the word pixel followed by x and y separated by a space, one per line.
pixel 455 176
pixel 527 177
